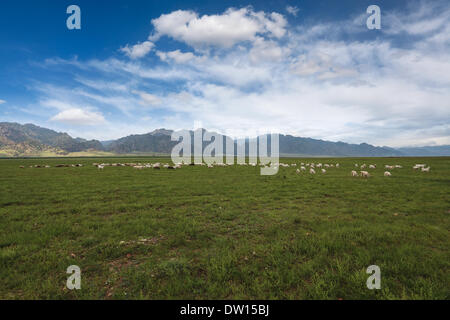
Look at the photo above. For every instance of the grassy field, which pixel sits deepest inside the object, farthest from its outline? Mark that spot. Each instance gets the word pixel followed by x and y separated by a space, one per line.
pixel 225 232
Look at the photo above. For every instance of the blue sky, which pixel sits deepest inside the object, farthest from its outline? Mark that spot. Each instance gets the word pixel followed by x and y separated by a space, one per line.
pixel 307 68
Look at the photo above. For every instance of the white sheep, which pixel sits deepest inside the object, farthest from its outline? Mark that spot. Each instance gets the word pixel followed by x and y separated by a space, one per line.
pixel 354 173
pixel 312 171
pixel 365 174
pixel 387 174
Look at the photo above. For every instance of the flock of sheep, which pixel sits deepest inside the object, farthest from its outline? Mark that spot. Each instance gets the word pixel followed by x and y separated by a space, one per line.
pixel 366 174
pixel 157 165
pixel 303 167
pixel 313 166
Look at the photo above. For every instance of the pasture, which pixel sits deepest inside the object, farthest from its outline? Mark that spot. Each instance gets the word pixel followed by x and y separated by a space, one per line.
pixel 224 232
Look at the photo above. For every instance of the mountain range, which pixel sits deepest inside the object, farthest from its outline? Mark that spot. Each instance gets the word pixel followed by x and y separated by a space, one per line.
pixel 18 140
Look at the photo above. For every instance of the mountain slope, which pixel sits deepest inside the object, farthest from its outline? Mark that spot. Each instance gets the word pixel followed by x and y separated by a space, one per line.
pixel 158 141
pixel 31 139
pixel 308 146
pixel 25 140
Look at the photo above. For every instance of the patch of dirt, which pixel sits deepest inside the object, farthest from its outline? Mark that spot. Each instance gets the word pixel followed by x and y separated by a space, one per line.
pixel 145 241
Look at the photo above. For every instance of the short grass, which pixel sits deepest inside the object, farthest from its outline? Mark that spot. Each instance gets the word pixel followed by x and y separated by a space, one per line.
pixel 225 232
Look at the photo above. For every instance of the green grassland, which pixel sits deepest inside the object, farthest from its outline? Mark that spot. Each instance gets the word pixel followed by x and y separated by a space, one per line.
pixel 224 232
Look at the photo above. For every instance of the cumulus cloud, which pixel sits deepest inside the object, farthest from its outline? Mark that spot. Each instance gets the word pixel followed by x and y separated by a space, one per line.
pixel 2 101
pixel 138 50
pixel 219 30
pixel 77 116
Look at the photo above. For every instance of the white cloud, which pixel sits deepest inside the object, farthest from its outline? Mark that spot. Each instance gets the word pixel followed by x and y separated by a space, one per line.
pixel 138 50
pixel 312 82
pixel 218 30
pixel 176 55
pixel 292 10
pixel 79 117
pixel 267 51
pixel 147 99
pixel 427 18
pixel 2 101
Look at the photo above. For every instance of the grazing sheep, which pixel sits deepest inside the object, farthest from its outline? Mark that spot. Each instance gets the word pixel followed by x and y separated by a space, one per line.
pixel 337 165
pixel 324 171
pixel 100 167
pixel 426 169
pixel 302 168
pixel 372 166
pixel 387 174
pixel 312 171
pixel 298 170
pixel 22 167
pixel 356 165
pixel 363 166
pixel 354 173
pixel 365 174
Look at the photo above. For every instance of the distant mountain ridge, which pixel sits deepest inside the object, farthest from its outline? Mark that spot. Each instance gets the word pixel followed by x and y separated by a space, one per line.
pixel 28 139
pixel 31 139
